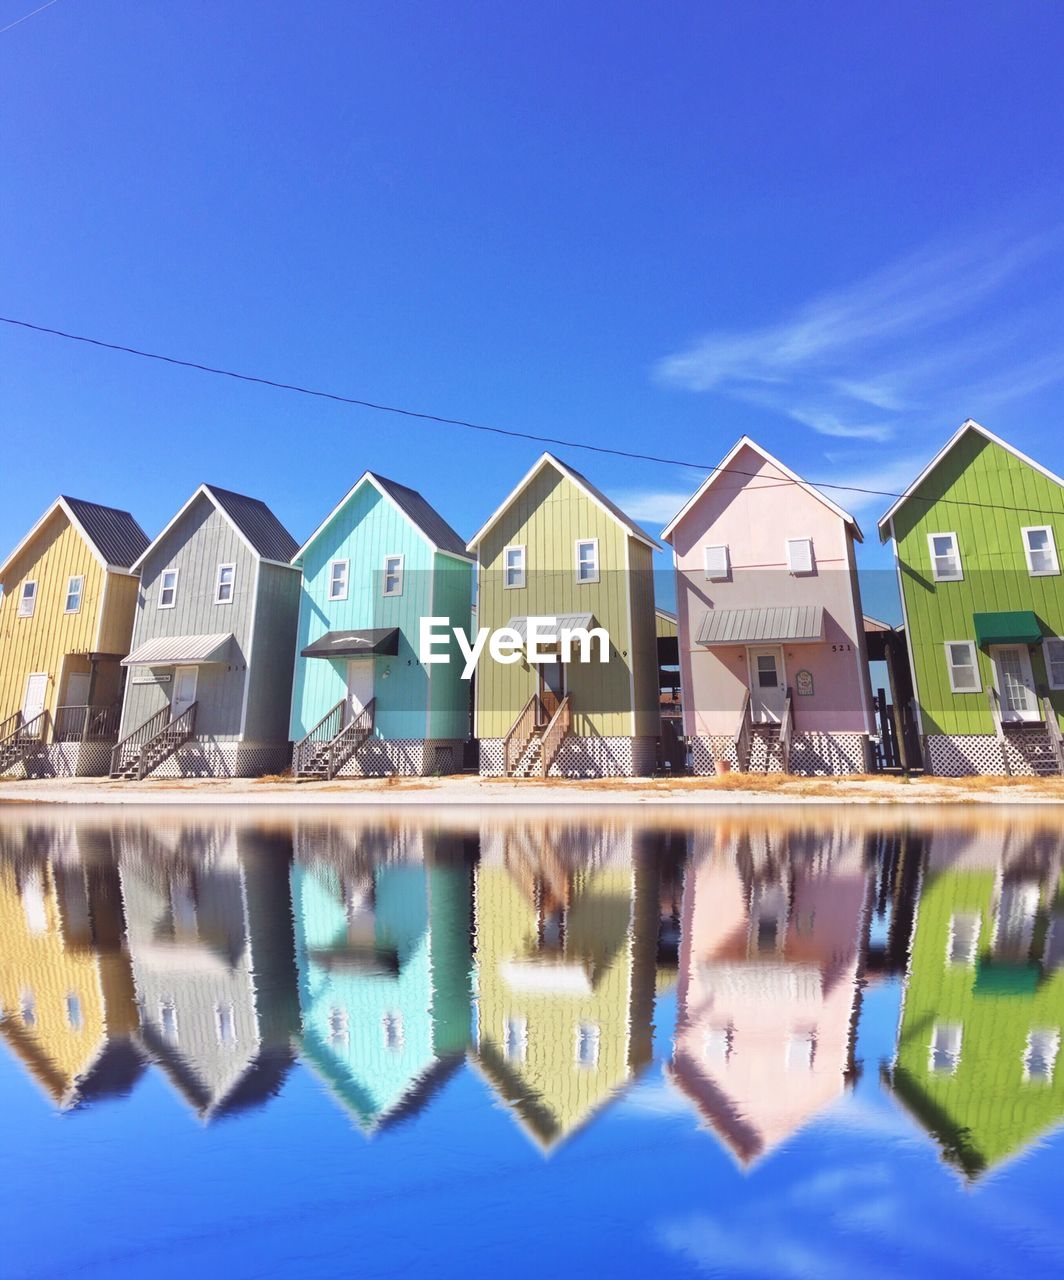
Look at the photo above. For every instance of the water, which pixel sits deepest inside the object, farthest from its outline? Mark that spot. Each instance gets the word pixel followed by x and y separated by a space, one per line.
pixel 756 1044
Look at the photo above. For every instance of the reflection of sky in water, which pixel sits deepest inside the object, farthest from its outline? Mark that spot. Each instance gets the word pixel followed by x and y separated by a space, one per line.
pixel 138 1186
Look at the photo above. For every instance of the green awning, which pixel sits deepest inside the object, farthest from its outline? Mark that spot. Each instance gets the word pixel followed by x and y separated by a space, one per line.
pixel 1001 978
pixel 1018 627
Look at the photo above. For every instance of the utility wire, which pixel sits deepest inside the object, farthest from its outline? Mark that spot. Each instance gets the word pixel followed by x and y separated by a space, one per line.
pixel 26 16
pixel 512 434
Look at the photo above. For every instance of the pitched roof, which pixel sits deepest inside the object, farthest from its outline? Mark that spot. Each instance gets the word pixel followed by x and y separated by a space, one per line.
pixel 421 514
pixel 256 525
pixel 113 536
pixel 968 425
pixel 745 442
pixel 596 496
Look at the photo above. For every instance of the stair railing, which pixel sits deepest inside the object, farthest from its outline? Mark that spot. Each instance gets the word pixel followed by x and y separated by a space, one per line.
pixel 994 698
pixel 86 724
pixel 1056 738
pixel 517 740
pixel 10 726
pixel 742 734
pixel 169 738
pixel 787 731
pixel 127 748
pixel 554 734
pixel 26 740
pixel 319 737
pixel 349 739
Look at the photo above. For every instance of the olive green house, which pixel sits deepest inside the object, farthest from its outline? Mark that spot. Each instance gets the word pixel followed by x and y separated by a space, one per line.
pixel 978 538
pixel 560 556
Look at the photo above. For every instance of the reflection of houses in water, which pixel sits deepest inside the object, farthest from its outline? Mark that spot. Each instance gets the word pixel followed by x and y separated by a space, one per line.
pixel 383 949
pixel 977 1053
pixel 66 992
pixel 567 923
pixel 774 928
pixel 210 936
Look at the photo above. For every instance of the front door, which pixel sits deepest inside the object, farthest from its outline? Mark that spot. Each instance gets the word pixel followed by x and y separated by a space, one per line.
pixel 1014 682
pixel 184 690
pixel 359 687
pixel 768 689
pixel 551 686
pixel 36 693
pixel 77 689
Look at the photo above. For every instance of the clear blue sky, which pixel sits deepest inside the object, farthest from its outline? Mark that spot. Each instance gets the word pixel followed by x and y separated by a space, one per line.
pixel 835 227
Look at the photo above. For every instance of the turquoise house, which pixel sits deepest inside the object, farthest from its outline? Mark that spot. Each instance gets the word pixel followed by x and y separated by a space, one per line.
pixel 384 981
pixel 362 701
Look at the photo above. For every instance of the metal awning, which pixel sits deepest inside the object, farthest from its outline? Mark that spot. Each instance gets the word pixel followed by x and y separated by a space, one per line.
pixel 171 651
pixel 562 622
pixel 772 625
pixel 367 643
pixel 1017 627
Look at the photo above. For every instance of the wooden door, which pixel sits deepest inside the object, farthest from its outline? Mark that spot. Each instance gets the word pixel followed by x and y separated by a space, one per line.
pixel 551 686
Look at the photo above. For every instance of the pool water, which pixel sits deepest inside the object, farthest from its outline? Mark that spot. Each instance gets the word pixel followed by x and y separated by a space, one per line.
pixel 799 1043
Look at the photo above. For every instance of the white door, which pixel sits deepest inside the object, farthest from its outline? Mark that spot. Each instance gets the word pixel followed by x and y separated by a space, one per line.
pixel 1014 682
pixel 184 694
pixel 36 693
pixel 359 687
pixel 768 689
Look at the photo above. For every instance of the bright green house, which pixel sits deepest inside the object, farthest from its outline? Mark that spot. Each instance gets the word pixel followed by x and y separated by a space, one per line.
pixel 978 1043
pixel 978 539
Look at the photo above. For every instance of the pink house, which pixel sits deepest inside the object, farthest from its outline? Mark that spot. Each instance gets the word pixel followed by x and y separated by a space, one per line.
pixel 773 665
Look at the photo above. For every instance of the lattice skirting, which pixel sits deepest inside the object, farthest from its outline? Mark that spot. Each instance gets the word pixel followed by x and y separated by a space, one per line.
pixel 225 758
pixel 383 757
pixel 581 757
pixel 67 760
pixel 492 753
pixel 812 754
pixel 959 755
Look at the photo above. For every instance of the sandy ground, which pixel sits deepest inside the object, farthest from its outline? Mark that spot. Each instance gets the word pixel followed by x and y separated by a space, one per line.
pixel 469 791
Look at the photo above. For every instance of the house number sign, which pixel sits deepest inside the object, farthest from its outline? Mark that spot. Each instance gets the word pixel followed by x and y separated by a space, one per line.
pixel 803 684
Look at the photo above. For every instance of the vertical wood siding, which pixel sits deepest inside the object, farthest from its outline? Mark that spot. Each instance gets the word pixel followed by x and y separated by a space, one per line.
pixel 272 647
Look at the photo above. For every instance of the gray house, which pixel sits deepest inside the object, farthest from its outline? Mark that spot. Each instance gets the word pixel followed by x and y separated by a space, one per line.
pixel 210 667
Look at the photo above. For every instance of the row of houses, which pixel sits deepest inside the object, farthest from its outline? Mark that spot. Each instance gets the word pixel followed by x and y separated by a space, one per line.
pixel 224 648
pixel 222 955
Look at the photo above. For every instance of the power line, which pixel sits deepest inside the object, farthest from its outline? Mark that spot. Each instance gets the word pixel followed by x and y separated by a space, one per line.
pixel 509 433
pixel 26 16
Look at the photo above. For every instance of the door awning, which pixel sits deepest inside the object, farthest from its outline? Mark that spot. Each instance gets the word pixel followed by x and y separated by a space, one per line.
pixel 1018 627
pixel 562 622
pixel 172 651
pixel 780 624
pixel 355 644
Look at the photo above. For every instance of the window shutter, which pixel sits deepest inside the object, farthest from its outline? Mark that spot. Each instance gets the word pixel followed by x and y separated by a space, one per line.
pixel 717 564
pixel 800 555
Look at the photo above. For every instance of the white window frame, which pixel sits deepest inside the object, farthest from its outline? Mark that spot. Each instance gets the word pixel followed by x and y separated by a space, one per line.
pixel 945 1026
pixel 720 572
pixel 593 543
pixel 522 570
pixel 1054 1034
pixel 79 578
pixel 333 593
pixel 1051 549
pixel 392 1021
pixel 160 603
pixel 951 667
pixel 74 1013
pixel 799 1051
pixel 973 949
pixel 520 1042
pixel 594 1037
pixel 339 1027
pixel 168 1002
pixel 805 567
pixel 219 584
pixel 957 576
pixel 398 574
pixel 1047 642
pixel 23 611
pixel 220 1008
pixel 725 1036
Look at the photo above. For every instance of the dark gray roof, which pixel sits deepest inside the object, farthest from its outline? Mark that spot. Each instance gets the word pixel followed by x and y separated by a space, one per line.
pixel 115 534
pixel 257 523
pixel 427 518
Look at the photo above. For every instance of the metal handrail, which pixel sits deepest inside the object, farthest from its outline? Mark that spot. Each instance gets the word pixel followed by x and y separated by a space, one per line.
pixel 323 733
pixel 126 747
pixel 1056 738
pixel 350 738
pixel 85 724
pixel 173 735
pixel 554 734
pixel 742 734
pixel 28 736
pixel 787 731
pixel 517 740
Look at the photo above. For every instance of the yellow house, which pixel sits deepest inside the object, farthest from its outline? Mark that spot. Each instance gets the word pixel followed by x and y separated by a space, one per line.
pixel 66 989
pixel 66 618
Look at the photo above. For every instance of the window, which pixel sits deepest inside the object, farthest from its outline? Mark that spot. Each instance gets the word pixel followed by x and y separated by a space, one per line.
pixel 963 667
pixel 392 1030
pixel 27 599
pixel 718 1045
pixel 800 555
pixel 223 588
pixel 338 1028
pixel 945 557
pixel 515 1039
pixel 168 1020
pixel 73 1013
pixel 338 570
pixel 718 563
pixel 963 939
pixel 1040 1055
pixel 1041 551
pixel 587 1045
pixel 587 561
pixel 73 595
pixel 801 1046
pixel 945 1049
pixel 393 575
pixel 513 567
pixel 1053 648
pixel 168 589
pixel 225 1024
pixel 27 1008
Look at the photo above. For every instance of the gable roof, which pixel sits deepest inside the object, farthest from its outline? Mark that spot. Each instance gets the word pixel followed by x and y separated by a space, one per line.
pixel 424 517
pixel 113 536
pixel 253 521
pixel 969 424
pixel 582 482
pixel 745 442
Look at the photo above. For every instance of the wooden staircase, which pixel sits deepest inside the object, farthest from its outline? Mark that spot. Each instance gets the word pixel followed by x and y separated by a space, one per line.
pixel 764 747
pixel 22 741
pixel 144 750
pixel 1032 744
pixel 325 750
pixel 533 743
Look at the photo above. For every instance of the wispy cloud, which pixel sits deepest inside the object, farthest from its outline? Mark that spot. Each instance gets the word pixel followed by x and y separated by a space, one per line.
pixel 655 506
